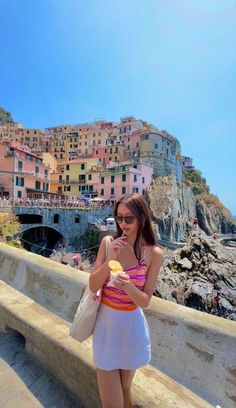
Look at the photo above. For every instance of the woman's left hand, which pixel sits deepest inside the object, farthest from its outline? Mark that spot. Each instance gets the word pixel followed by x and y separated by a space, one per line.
pixel 122 281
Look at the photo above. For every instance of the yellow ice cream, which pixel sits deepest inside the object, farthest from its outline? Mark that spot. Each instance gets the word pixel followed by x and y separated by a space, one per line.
pixel 115 266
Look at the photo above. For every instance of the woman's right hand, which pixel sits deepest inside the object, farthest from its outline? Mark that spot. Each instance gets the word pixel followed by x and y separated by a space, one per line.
pixel 115 247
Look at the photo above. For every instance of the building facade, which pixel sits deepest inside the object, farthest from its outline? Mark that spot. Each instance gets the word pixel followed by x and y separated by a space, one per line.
pixel 22 173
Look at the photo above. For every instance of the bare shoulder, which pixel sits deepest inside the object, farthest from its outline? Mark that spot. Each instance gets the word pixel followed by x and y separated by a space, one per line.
pixel 154 255
pixel 157 251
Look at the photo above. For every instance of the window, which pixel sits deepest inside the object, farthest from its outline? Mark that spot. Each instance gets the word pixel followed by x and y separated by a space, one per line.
pixel 22 182
pixel 82 166
pixel 96 151
pixel 146 137
pixel 102 180
pixel 45 173
pixel 143 180
pixel 110 150
pixel 67 167
pixel 36 171
pixel 135 189
pixel 68 188
pixel 112 191
pixel 156 145
pixel 67 178
pixel 56 218
pixel 20 165
pixel 19 194
pixel 105 150
pixel 112 179
pixel 102 191
pixel 123 177
pixel 77 219
pixel 37 185
pixel 123 190
pixel 59 190
pixel 135 177
pixel 60 178
pixel 137 144
pixel 90 176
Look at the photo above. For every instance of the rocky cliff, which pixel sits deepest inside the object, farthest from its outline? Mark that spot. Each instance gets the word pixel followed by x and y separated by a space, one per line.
pixel 201 275
pixel 174 205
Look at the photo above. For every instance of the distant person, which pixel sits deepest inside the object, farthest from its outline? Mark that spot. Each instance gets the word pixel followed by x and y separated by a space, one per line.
pixel 195 224
pixel 121 340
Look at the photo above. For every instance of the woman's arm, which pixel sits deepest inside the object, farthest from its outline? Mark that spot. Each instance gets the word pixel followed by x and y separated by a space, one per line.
pixel 142 298
pixel 101 268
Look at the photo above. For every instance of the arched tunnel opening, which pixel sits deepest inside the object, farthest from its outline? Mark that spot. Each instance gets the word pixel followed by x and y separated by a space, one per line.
pixel 40 240
pixel 30 218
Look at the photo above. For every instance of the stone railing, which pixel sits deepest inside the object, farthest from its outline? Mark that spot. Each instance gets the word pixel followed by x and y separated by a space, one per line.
pixel 195 349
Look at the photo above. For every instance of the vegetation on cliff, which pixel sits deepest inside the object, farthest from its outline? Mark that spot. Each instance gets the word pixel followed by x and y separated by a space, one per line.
pixel 5 116
pixel 211 213
pixel 9 229
pixel 194 179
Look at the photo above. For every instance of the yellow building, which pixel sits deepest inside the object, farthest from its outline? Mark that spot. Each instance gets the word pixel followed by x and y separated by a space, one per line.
pixel 76 177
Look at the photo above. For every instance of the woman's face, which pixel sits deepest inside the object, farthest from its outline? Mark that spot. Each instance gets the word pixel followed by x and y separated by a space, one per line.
pixel 127 220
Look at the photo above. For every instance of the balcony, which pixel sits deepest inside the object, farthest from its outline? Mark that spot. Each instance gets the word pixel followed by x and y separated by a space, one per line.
pixel 10 153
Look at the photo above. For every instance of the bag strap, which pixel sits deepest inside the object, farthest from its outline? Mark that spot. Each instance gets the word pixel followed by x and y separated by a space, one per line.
pixel 108 242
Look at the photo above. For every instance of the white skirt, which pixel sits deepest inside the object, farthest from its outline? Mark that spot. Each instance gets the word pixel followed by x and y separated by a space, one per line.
pixel 121 340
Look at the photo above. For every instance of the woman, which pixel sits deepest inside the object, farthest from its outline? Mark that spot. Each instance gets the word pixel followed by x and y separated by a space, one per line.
pixel 121 340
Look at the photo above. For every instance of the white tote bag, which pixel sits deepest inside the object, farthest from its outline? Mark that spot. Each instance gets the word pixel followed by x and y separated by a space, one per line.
pixel 86 314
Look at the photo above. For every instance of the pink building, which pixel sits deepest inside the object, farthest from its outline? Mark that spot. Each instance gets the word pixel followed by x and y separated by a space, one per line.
pixel 111 152
pixel 22 174
pixel 123 179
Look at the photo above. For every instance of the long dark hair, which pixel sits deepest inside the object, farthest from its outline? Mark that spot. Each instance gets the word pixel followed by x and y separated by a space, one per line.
pixel 138 205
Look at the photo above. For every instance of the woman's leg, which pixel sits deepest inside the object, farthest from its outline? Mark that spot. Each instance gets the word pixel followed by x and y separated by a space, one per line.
pixel 126 380
pixel 110 389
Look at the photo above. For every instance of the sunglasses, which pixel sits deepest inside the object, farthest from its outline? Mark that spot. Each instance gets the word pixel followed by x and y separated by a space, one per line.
pixel 129 219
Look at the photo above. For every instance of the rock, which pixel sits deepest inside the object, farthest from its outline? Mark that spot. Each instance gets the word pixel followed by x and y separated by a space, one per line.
pixel 201 275
pixel 185 263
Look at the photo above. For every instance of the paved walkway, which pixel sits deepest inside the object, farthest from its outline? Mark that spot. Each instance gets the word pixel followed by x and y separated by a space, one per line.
pixel 24 383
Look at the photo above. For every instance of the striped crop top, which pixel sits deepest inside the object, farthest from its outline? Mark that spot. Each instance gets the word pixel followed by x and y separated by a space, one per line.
pixel 118 299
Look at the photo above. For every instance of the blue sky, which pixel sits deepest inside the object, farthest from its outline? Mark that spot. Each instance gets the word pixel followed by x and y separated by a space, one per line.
pixel 172 63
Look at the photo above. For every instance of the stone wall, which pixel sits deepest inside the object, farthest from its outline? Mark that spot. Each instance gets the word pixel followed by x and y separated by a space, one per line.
pixel 196 349
pixel 66 225
pixel 161 165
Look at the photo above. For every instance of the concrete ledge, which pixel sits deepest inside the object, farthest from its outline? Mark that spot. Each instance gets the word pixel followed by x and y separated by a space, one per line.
pixel 193 348
pixel 47 340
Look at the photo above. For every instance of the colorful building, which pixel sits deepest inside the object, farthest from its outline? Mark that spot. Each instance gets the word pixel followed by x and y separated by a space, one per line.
pixel 125 178
pixel 22 173
pixel 76 177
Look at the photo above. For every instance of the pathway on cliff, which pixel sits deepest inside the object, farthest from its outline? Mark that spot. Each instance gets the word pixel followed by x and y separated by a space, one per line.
pixel 24 383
